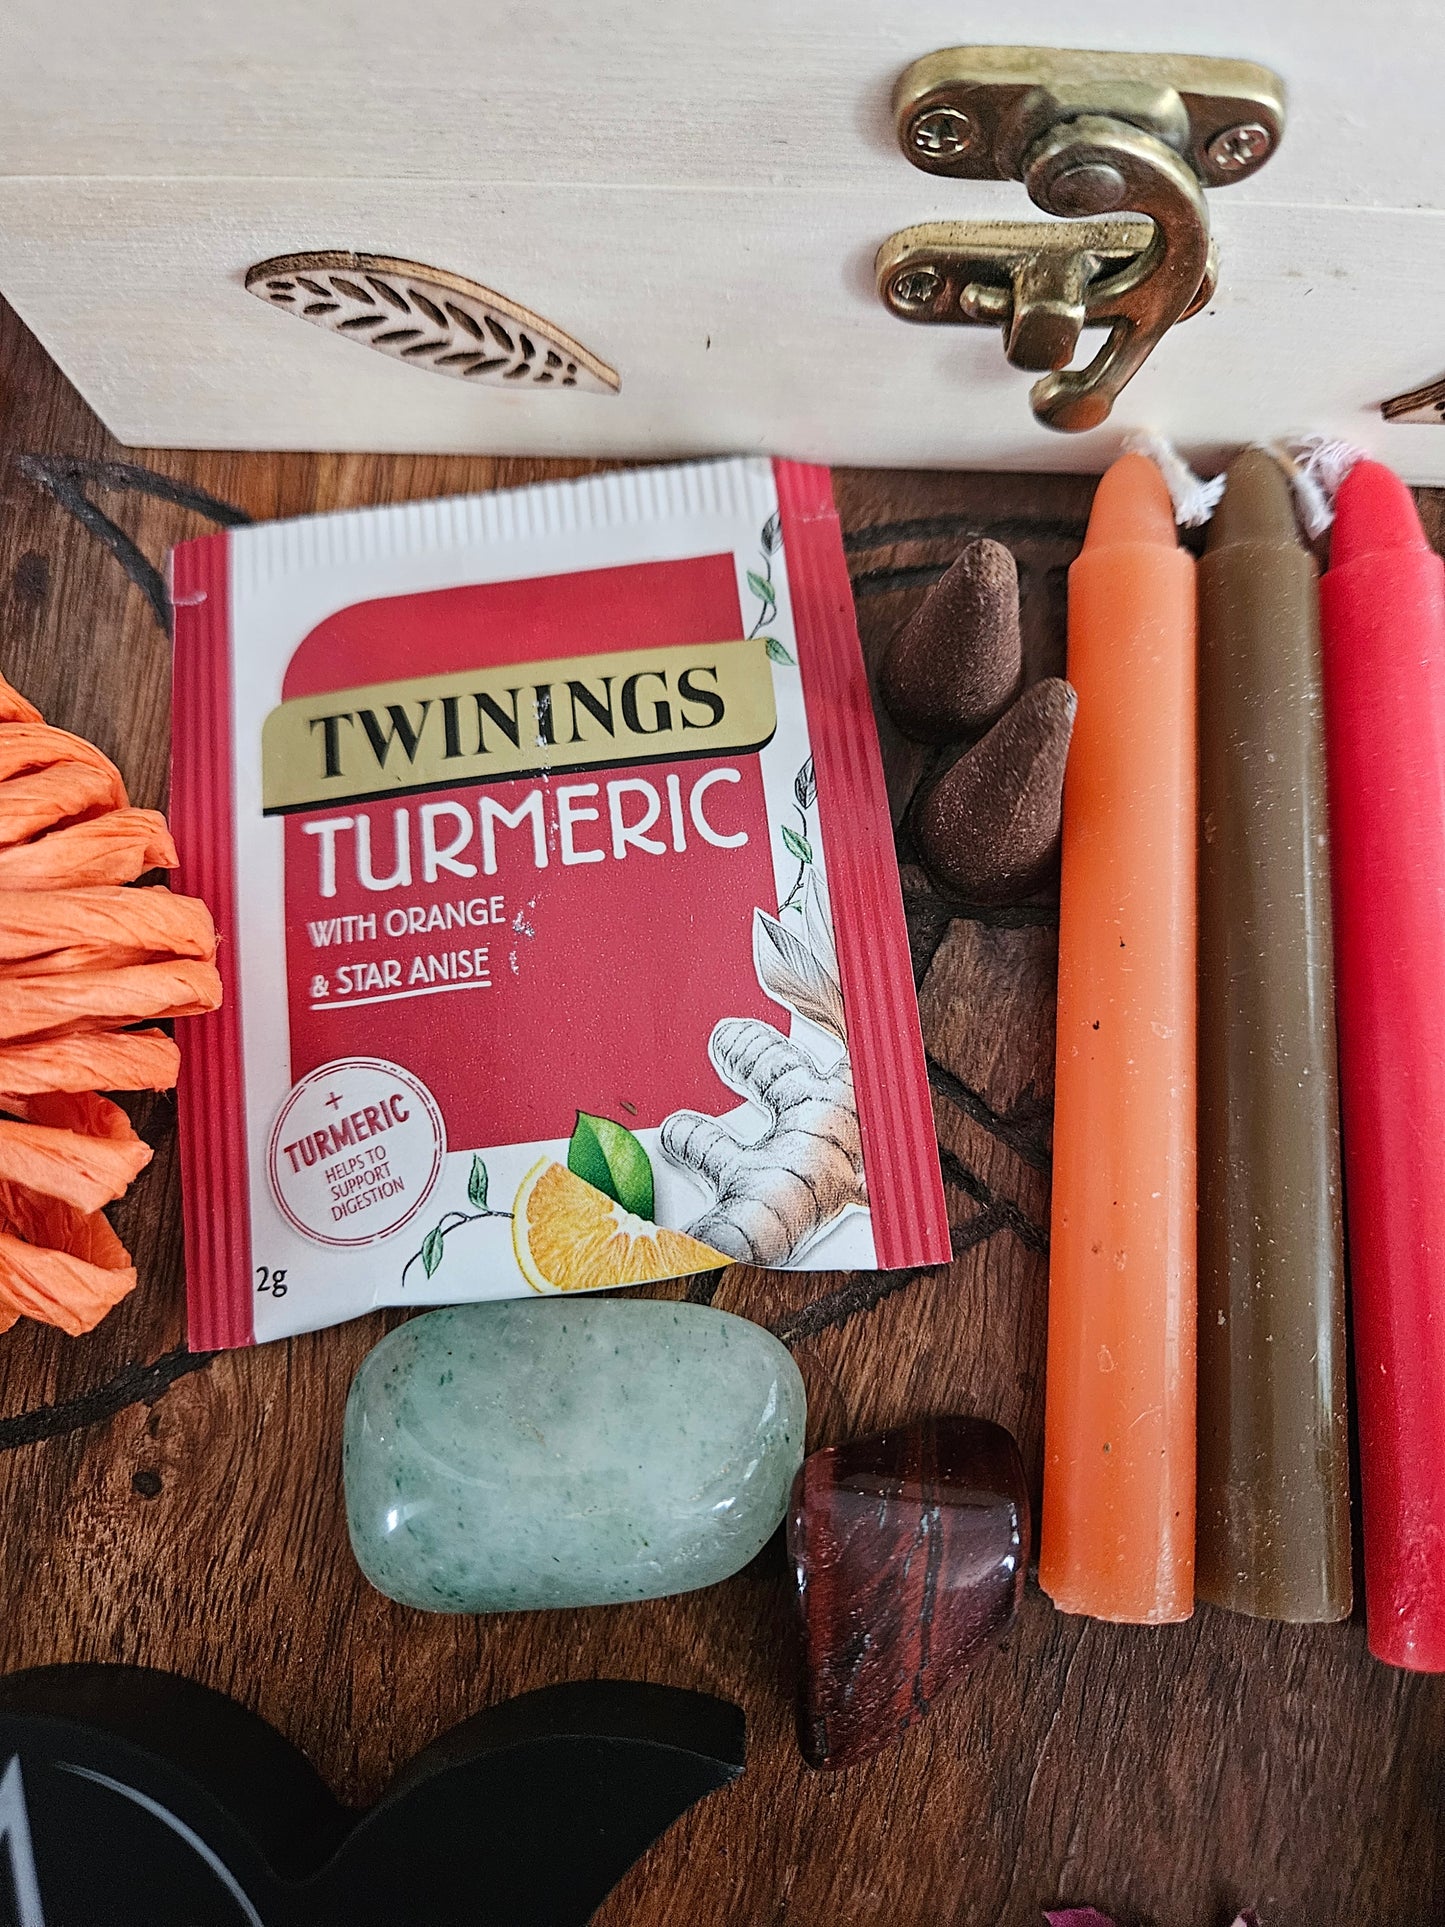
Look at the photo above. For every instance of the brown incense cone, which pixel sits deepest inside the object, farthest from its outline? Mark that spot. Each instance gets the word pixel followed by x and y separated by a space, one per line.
pixel 956 663
pixel 988 829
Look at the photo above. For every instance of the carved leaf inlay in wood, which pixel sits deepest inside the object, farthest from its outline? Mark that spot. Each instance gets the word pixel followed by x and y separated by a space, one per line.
pixel 1425 404
pixel 431 319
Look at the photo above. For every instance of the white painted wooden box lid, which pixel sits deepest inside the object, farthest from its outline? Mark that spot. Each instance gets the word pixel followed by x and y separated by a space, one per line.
pixel 694 193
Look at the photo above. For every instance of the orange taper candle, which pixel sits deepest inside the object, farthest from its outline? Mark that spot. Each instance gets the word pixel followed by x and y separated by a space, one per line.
pixel 1118 1518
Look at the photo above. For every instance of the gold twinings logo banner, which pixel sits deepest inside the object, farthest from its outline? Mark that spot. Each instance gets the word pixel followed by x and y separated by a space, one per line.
pixel 485 725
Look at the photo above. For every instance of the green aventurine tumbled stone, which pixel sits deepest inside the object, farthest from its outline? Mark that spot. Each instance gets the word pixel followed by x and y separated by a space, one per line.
pixel 566 1453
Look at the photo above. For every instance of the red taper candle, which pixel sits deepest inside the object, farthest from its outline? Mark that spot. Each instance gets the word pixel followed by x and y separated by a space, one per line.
pixel 1383 611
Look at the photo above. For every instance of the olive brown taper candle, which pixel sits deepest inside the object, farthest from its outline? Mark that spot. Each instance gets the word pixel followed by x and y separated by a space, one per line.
pixel 1273 1497
pixel 1118 1514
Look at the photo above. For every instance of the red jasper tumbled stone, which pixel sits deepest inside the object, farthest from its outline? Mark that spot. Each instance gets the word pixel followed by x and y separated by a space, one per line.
pixel 910 1550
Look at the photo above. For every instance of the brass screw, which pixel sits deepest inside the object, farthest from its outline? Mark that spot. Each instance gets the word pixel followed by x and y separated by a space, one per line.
pixel 916 287
pixel 942 133
pixel 1239 147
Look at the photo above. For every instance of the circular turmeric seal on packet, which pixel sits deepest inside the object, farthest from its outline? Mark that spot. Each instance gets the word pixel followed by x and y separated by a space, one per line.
pixel 355 1151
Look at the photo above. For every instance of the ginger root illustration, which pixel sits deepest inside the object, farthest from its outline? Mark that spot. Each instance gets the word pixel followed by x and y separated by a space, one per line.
pixel 777 1195
pixel 773 1197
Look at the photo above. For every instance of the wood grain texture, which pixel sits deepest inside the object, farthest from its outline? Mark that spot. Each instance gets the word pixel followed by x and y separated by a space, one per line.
pixel 737 320
pixel 1170 1775
pixel 632 93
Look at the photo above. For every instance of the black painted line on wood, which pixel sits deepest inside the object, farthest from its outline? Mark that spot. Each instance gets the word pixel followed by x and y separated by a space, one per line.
pixel 928 528
pixel 1010 1218
pixel 924 954
pixel 131 1385
pixel 136 563
pixel 874 582
pixel 130 478
pixel 66 478
pixel 1022 1129
pixel 865 1290
pixel 993 916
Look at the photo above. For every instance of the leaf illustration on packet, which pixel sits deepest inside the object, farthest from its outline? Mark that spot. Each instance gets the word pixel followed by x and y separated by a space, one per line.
pixel 797 976
pixel 608 1157
pixel 777 1195
pixel 434 1244
pixel 795 842
pixel 761 584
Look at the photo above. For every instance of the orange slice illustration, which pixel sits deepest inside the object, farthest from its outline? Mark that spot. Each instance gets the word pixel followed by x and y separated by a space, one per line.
pixel 569 1236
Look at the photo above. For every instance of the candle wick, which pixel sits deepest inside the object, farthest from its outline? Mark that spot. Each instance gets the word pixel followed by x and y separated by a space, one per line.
pixel 1195 497
pixel 1316 466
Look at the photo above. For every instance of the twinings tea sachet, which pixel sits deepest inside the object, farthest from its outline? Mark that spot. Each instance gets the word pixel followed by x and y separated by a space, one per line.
pixel 560 925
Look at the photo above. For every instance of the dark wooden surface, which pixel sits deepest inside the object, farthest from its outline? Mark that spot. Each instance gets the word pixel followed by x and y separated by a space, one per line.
pixel 192 1519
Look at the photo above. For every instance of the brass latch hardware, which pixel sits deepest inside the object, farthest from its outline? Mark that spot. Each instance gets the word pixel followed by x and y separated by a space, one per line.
pixel 1088 134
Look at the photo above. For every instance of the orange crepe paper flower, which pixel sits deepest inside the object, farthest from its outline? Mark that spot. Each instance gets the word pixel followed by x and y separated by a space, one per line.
pixel 109 849
pixel 120 1060
pixel 106 999
pixel 27 746
pixel 81 958
pixel 112 848
pixel 70 1165
pixel 47 930
pixel 42 798
pixel 55 1286
pixel 71 1268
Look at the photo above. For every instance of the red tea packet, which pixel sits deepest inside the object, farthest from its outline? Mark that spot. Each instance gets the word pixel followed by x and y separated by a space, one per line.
pixel 561 931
